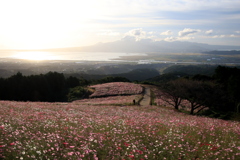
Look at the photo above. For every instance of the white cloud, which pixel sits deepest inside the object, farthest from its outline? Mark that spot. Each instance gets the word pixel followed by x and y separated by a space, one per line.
pixel 128 38
pixel 167 33
pixel 185 38
pixel 151 33
pixel 219 36
pixel 209 32
pixel 237 31
pixel 188 31
pixel 171 39
pixel 225 36
pixel 232 36
pixel 138 34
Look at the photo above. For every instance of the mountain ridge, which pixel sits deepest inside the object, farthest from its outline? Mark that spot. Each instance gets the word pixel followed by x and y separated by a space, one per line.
pixel 146 45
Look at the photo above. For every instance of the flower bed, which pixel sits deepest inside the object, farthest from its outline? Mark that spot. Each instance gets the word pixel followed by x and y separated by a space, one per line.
pixel 111 100
pixel 72 131
pixel 116 88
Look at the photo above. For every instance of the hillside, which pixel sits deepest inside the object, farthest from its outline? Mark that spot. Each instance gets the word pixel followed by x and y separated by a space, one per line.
pixel 133 75
pixel 147 45
pixel 112 128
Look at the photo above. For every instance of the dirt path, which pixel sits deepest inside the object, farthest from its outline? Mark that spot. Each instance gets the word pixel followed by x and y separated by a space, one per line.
pixel 146 97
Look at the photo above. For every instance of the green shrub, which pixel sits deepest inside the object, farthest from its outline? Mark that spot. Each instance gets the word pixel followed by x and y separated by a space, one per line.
pixel 76 93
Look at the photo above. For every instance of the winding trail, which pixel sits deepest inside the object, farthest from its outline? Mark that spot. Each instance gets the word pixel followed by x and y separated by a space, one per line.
pixel 146 96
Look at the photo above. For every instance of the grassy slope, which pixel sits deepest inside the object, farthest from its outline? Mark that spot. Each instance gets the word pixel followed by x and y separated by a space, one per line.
pixel 81 130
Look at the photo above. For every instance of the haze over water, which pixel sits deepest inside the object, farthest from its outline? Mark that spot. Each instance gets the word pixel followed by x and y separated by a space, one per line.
pixel 81 56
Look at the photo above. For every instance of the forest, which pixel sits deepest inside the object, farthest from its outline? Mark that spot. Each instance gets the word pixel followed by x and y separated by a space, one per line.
pixel 49 87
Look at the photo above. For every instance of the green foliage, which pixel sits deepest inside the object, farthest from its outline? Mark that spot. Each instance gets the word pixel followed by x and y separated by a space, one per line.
pixel 76 93
pixel 164 78
pixel 220 93
pixel 140 74
pixel 111 79
pixel 228 78
pixel 200 77
pixel 72 82
pixel 191 69
pixel 49 87
pixel 218 114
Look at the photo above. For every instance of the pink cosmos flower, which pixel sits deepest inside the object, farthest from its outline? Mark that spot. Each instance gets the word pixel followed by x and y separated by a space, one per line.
pixel 131 156
pixel 119 148
pixel 70 153
pixel 65 144
pixel 126 144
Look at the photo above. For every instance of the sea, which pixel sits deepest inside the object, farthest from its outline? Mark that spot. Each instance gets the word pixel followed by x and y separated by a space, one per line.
pixel 80 56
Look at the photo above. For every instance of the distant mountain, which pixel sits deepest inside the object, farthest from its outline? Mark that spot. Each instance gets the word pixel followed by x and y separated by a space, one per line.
pixel 150 46
pixel 140 74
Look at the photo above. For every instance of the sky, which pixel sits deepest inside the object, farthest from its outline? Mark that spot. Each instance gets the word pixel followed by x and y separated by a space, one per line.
pixel 40 24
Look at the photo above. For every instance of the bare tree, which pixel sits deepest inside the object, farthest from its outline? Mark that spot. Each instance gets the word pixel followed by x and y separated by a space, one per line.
pixel 199 94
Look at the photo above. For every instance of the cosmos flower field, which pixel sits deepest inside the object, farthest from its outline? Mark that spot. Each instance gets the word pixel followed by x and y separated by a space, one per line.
pixel 111 100
pixel 81 130
pixel 116 88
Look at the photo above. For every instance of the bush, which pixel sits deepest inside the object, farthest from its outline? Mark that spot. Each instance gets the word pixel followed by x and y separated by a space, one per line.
pixel 76 93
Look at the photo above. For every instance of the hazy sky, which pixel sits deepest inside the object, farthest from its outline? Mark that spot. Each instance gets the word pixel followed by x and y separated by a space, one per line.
pixel 33 24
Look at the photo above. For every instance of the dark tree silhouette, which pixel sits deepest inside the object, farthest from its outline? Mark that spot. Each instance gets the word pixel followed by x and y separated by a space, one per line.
pixel 172 92
pixel 199 94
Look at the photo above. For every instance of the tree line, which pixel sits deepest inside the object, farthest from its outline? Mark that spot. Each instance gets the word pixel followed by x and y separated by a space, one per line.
pixel 219 92
pixel 49 87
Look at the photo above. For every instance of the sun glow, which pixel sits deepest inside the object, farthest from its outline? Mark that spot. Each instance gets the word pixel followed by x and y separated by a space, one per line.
pixel 34 55
pixel 47 24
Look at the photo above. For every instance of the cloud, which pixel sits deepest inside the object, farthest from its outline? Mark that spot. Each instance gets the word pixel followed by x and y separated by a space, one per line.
pixel 209 32
pixel 185 38
pixel 128 38
pixel 151 33
pixel 167 33
pixel 226 36
pixel 188 31
pixel 219 36
pixel 171 39
pixel 138 34
pixel 237 31
pixel 232 35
